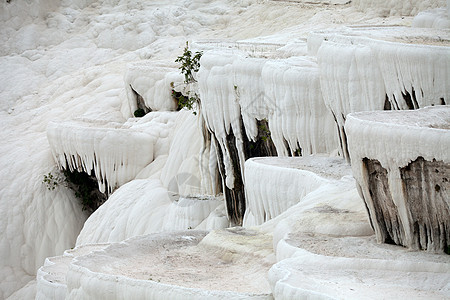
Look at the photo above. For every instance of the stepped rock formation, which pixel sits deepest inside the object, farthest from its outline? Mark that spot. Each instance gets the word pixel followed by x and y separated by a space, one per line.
pixel 310 79
pixel 404 184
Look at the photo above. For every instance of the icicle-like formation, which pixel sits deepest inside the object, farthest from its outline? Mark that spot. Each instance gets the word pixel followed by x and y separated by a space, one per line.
pixel 151 84
pixel 286 92
pixel 270 190
pixel 222 116
pixel 415 76
pixel 370 74
pixel 249 90
pixel 219 107
pixel 298 118
pixel 165 195
pixel 274 184
pixel 245 99
pixel 402 163
pixel 350 81
pixel 398 7
pixel 115 154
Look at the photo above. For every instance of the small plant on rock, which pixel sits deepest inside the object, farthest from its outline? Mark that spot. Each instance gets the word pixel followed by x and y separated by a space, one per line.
pixel 264 131
pixel 51 181
pixel 184 101
pixel 84 186
pixel 190 64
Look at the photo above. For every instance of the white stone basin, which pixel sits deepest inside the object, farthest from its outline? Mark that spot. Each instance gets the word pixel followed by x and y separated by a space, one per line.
pixel 169 266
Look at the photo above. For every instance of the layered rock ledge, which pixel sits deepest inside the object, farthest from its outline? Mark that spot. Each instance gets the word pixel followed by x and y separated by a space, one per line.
pixel 324 267
pixel 109 150
pixel 274 184
pixel 224 264
pixel 402 164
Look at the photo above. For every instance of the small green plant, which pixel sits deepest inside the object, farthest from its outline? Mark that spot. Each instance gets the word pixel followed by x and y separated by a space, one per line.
pixel 50 181
pixel 264 131
pixel 190 64
pixel 84 186
pixel 139 113
pixel 185 101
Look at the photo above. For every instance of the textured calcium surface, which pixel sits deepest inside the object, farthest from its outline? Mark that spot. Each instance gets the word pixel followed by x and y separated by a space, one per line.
pixel 66 60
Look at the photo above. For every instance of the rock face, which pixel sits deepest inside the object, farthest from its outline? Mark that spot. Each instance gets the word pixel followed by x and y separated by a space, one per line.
pixel 426 187
pixel 402 163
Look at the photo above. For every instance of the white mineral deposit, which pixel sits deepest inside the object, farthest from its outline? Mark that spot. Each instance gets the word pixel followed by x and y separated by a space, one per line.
pixel 217 149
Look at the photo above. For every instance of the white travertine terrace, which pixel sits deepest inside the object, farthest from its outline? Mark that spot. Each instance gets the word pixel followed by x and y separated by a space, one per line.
pixel 151 81
pixel 416 209
pixel 392 7
pixel 51 277
pixel 101 60
pixel 116 154
pixel 272 185
pixel 173 265
pixel 375 271
pixel 376 73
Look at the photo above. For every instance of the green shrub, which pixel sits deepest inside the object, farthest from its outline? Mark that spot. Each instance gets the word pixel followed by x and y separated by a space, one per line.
pixel 190 64
pixel 185 101
pixel 84 186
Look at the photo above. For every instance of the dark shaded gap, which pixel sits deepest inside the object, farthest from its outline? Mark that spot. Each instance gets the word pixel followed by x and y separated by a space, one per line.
pixel 409 100
pixel 345 145
pixel 387 104
pixel 286 145
pixel 235 197
pixel 86 189
pixel 263 146
pixel 340 130
pixel 298 151
pixel 142 109
pixel 416 104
